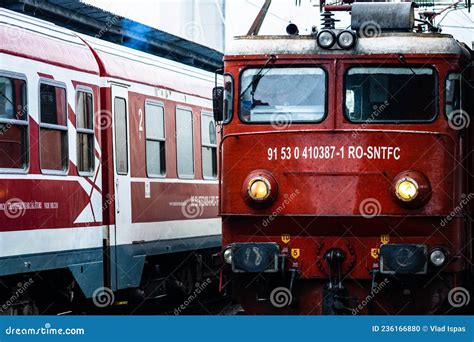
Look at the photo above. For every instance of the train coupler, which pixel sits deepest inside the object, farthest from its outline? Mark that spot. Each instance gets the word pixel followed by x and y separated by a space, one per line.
pixel 335 300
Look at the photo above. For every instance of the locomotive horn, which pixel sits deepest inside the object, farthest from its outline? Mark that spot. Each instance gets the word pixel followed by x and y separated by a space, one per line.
pixel 292 29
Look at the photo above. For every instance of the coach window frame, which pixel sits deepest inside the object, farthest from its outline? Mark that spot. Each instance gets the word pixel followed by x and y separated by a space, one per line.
pixel 127 138
pixel 186 108
pixel 65 128
pixel 87 90
pixel 163 140
pixel 391 65
pixel 208 113
pixel 323 67
pixel 24 170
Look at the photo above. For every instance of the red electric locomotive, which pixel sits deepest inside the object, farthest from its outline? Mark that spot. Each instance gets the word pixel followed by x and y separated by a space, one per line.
pixel 346 183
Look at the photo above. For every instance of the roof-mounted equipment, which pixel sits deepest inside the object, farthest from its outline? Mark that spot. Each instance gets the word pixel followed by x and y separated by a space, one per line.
pixel 387 16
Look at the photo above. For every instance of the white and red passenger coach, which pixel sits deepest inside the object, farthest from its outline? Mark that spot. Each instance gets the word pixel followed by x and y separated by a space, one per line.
pixel 107 162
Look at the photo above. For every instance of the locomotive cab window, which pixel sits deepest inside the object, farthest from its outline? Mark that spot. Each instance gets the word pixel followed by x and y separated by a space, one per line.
pixel 452 96
pixel 184 142
pixel 13 124
pixel 283 95
pixel 228 97
pixel 385 94
pixel 209 146
pixel 155 139
pixel 53 128
pixel 85 132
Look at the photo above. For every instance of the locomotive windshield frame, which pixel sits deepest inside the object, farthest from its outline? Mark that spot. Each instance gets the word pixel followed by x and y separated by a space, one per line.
pixel 278 114
pixel 377 111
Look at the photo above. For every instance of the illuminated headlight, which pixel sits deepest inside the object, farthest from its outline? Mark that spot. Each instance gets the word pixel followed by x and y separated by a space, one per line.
pixel 346 39
pixel 437 257
pixel 227 255
pixel 326 39
pixel 406 189
pixel 259 189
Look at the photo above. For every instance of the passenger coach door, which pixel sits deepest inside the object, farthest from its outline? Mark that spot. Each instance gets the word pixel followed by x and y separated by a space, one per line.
pixel 121 155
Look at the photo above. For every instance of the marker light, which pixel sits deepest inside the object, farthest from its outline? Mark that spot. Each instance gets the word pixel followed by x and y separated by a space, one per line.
pixel 437 257
pixel 326 39
pixel 227 255
pixel 346 39
pixel 259 188
pixel 406 189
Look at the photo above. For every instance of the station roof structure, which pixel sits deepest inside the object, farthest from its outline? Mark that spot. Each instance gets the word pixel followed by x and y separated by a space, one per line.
pixel 96 22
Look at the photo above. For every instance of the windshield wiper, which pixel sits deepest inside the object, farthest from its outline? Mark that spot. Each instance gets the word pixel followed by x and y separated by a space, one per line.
pixel 6 98
pixel 401 58
pixel 258 76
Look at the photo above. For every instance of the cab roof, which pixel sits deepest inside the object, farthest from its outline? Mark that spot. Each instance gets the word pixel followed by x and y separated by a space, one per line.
pixel 384 43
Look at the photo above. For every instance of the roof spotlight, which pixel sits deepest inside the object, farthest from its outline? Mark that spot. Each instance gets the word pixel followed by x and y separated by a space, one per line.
pixel 346 39
pixel 326 39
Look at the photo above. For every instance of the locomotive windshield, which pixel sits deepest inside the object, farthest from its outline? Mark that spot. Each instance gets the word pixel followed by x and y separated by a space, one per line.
pixel 283 94
pixel 380 94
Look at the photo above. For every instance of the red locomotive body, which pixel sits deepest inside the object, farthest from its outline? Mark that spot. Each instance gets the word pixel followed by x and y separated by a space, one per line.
pixel 347 173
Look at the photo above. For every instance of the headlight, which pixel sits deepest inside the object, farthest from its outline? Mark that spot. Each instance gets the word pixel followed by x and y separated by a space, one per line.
pixel 259 189
pixel 406 189
pixel 437 257
pixel 326 39
pixel 346 39
pixel 411 189
pixel 227 255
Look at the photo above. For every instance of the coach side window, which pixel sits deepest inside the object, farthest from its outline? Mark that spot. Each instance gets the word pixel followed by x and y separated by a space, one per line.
pixel 184 142
pixel 121 137
pixel 85 132
pixel 209 146
pixel 155 139
pixel 53 128
pixel 13 124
